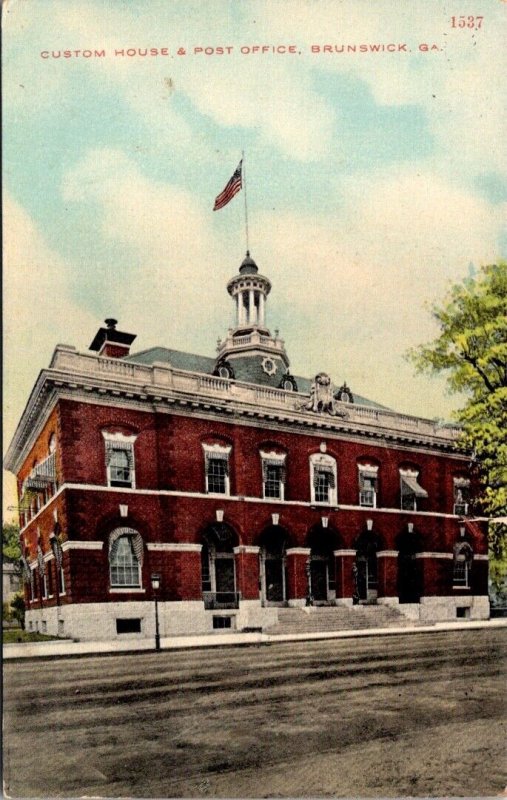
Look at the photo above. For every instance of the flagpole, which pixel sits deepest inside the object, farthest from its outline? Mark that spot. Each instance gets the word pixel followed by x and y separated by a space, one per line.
pixel 246 205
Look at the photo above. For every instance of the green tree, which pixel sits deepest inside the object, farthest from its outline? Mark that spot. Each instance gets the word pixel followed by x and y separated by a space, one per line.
pixel 10 541
pixel 471 349
pixel 18 609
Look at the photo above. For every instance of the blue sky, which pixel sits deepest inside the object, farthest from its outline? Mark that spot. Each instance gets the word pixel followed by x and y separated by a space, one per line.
pixel 373 180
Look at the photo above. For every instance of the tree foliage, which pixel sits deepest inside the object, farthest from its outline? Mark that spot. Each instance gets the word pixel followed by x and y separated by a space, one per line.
pixel 10 541
pixel 471 349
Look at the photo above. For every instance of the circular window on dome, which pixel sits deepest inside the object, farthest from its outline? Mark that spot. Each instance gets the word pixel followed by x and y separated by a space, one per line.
pixel 287 385
pixel 269 366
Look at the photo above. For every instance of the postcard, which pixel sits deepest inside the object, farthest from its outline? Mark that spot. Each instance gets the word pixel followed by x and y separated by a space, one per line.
pixel 225 227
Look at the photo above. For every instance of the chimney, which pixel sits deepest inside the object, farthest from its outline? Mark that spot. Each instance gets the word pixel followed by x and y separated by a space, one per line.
pixel 112 343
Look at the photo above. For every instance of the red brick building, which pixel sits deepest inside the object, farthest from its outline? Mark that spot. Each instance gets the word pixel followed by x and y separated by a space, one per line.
pixel 244 488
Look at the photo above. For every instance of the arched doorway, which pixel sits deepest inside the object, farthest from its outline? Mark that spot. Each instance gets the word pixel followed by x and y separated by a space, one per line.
pixel 322 571
pixel 273 546
pixel 409 567
pixel 218 567
pixel 365 568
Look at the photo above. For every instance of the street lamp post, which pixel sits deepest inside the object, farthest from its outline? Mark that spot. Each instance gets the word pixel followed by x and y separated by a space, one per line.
pixel 309 598
pixel 155 585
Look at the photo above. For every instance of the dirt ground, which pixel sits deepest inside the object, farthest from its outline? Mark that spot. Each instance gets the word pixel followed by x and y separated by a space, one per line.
pixel 411 715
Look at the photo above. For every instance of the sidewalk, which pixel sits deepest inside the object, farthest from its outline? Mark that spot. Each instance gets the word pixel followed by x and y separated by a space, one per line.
pixel 70 648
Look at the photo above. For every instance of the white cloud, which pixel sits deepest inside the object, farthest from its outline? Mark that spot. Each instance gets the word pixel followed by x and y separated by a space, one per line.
pixel 168 230
pixel 348 289
pixel 356 283
pixel 38 312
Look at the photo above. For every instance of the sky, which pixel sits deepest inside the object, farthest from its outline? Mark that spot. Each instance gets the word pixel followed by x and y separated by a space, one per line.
pixel 374 179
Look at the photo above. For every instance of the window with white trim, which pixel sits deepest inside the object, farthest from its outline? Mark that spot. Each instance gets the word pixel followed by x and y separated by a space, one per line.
pixel 323 479
pixel 273 475
pixel 368 485
pixel 410 489
pixel 461 488
pixel 125 558
pixel 216 465
pixel 120 465
pixel 32 583
pixel 463 557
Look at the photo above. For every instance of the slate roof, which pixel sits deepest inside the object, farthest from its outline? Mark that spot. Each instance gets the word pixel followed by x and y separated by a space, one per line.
pixel 196 363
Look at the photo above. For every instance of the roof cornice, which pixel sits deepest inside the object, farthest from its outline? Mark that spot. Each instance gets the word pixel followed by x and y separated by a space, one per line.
pixel 87 376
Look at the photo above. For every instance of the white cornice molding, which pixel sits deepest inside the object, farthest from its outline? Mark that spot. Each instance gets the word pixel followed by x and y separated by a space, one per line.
pixel 176 547
pixel 366 510
pixel 434 555
pixel 119 437
pixel 74 544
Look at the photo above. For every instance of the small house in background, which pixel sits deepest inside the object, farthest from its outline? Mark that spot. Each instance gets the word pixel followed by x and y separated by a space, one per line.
pixel 11 580
pixel 247 491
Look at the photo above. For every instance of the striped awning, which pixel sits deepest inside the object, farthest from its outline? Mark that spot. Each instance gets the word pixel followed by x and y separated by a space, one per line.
pixel 411 486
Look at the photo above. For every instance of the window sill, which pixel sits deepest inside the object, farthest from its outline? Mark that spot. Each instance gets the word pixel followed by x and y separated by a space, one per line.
pixel 127 590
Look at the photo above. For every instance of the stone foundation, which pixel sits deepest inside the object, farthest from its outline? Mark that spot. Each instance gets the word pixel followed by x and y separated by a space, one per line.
pixel 97 621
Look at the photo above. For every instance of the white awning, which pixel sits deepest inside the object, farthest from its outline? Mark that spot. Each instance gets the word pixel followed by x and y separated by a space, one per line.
pixel 413 487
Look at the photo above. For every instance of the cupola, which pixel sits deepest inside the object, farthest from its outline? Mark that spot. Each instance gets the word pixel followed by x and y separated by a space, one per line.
pixel 249 352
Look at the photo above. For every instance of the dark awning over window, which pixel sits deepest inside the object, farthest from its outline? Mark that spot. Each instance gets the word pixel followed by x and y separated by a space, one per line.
pixel 410 486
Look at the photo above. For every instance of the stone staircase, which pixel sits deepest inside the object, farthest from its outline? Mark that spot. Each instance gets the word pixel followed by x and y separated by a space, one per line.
pixel 315 619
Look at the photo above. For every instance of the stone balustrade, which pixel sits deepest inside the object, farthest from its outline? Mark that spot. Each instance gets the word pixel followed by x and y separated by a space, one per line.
pixel 161 378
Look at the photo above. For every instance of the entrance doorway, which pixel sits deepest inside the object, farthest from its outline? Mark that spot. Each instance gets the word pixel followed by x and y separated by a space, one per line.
pixel 409 567
pixel 323 541
pixel 365 567
pixel 273 566
pixel 218 567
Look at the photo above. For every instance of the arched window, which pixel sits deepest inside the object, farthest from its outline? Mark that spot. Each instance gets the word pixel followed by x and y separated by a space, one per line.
pixel 462 567
pixel 125 558
pixel 323 479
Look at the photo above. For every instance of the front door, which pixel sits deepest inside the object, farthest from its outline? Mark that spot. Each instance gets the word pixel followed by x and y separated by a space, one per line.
pixel 224 577
pixel 274 580
pixel 318 572
pixel 408 579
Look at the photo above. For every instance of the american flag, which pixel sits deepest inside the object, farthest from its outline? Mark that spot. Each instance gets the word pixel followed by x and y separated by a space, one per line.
pixel 232 188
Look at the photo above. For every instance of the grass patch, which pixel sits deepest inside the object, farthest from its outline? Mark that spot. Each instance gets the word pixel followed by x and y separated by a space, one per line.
pixel 16 635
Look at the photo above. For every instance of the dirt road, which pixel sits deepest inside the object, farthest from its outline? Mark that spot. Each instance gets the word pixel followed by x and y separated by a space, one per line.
pixel 418 714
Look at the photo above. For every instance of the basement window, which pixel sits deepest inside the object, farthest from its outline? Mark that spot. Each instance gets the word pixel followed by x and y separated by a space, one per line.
pixel 219 623
pixel 128 625
pixel 463 612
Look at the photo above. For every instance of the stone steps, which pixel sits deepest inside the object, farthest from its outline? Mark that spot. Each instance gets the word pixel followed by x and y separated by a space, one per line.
pixel 320 619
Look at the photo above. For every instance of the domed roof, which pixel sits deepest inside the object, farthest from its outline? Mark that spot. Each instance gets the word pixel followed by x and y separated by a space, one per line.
pixel 248 265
